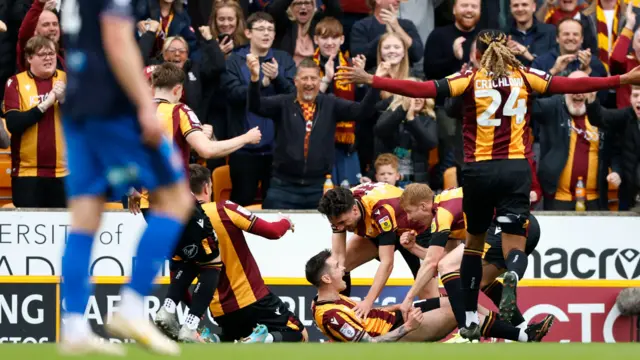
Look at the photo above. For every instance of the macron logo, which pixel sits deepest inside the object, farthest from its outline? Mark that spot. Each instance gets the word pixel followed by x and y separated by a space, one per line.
pixel 201 223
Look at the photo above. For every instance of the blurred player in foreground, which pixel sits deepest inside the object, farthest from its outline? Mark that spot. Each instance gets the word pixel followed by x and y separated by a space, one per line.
pixel 114 141
pixel 496 129
pixel 335 316
pixel 444 253
pixel 372 212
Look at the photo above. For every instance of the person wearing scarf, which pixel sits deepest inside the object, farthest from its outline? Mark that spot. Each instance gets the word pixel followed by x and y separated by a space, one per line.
pixel 329 37
pixel 609 16
pixel 622 60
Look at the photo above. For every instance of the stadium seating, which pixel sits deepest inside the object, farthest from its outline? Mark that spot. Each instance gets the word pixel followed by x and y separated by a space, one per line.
pixel 221 179
pixel 450 178
pixel 5 177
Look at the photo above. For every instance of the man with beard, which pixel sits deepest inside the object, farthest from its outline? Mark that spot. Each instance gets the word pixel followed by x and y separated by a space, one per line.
pixel 448 47
pixel 572 147
pixel 306 125
pixel 40 20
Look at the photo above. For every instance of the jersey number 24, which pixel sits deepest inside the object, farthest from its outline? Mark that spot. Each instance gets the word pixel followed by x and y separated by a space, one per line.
pixel 513 107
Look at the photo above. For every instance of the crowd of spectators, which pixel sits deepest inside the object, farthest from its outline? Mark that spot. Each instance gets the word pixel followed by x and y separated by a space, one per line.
pixel 271 64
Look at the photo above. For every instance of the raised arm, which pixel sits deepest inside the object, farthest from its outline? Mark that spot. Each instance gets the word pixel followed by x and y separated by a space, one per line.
pixel 414 89
pixel 210 149
pixel 271 230
pixel 565 85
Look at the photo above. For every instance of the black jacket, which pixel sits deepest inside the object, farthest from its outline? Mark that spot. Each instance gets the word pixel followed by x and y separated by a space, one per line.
pixel 287 30
pixel 289 163
pixel 555 137
pixel 420 136
pixel 11 13
pixel 208 71
pixel 624 124
pixel 235 83
pixel 180 25
pixel 543 39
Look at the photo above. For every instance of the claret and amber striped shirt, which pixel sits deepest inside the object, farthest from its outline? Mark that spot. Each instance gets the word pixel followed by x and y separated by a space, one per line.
pixel 40 150
pixel 495 115
pixel 338 321
pixel 241 283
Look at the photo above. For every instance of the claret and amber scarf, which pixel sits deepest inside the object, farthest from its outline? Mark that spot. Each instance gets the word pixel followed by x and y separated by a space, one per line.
pixel 345 130
pixel 603 33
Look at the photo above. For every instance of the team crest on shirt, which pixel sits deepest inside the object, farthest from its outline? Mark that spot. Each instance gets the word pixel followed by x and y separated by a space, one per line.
pixel 190 251
pixel 348 331
pixel 385 223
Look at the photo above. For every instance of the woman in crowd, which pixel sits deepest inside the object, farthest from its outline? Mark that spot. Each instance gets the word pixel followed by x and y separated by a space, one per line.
pixel 408 130
pixel 392 52
pixel 176 50
pixel 162 19
pixel 226 30
pixel 226 26
pixel 295 24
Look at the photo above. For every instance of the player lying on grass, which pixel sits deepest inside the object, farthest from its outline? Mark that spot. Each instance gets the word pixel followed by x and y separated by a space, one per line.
pixel 496 132
pixel 335 316
pixel 372 212
pixel 242 301
pixel 443 253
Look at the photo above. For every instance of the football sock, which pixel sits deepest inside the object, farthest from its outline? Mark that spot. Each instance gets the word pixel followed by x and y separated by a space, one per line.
pixel 285 336
pixel 428 304
pixel 470 276
pixel 76 287
pixel 347 279
pixel 496 328
pixel 156 244
pixel 170 306
pixel 205 288
pixel 192 322
pixel 517 262
pixel 494 292
pixel 453 286
pixel 181 279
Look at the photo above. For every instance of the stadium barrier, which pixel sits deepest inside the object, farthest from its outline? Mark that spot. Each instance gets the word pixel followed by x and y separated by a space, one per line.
pixel 571 247
pixel 585 310
pixel 578 269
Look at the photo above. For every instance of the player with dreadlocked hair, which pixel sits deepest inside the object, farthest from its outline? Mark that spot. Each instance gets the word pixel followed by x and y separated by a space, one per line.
pixel 497 143
pixel 496 57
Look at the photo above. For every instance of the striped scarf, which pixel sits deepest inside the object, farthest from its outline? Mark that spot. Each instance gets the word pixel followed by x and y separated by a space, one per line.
pixel 603 33
pixel 554 15
pixel 345 130
pixel 308 112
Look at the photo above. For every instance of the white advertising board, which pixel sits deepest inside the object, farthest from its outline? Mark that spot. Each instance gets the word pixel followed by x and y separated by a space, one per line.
pixel 571 247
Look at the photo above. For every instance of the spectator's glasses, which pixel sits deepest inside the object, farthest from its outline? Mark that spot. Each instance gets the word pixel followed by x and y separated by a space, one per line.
pixel 43 55
pixel 303 3
pixel 179 51
pixel 264 29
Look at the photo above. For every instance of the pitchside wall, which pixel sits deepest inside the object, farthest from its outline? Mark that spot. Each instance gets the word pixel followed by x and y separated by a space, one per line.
pixel 581 264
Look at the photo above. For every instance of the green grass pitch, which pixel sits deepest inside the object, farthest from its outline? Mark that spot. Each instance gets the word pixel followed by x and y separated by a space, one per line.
pixel 327 351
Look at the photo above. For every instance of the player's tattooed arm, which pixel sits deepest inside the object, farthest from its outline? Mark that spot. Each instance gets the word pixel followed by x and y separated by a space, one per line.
pixel 391 336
